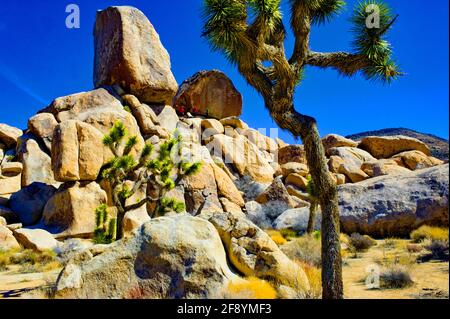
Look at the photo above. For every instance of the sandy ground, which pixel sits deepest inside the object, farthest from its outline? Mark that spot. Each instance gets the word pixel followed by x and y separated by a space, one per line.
pixel 431 279
pixel 14 284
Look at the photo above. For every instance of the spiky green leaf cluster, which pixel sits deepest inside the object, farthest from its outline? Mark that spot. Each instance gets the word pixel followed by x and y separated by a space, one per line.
pixel 225 26
pixel 166 205
pixel 310 187
pixel 266 15
pixel 321 11
pixel 106 230
pixel 371 41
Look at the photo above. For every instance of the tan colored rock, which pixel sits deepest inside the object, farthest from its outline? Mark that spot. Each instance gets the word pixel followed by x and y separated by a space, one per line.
pixel 9 185
pixel 225 186
pixel 167 117
pixel 179 247
pixel 143 113
pixel 297 180
pixel 334 140
pixel 209 93
pixel 355 174
pixel 293 167
pixel 71 211
pixel 9 135
pixel 36 239
pixel 234 122
pixel 7 240
pixel 294 191
pixel 36 164
pixel 134 220
pixel 243 155
pixel 78 151
pixel 292 153
pixel 383 167
pixel 417 160
pixel 339 178
pixel 201 190
pixel 11 168
pixel 351 155
pixel 334 163
pixel 128 52
pixel 253 253
pixel 387 146
pixel 229 206
pixel 71 106
pixel 211 127
pixel 276 192
pixel 42 125
pixel 281 143
pixel 262 141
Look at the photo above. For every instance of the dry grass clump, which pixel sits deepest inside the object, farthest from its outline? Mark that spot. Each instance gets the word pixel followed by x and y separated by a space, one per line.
pixel 314 275
pixel 429 232
pixel 394 243
pixel 29 260
pixel 414 248
pixel 305 249
pixel 395 276
pixel 250 288
pixel 276 236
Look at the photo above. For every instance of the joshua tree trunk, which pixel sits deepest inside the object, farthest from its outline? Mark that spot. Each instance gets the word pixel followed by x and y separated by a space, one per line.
pixel 312 218
pixel 305 127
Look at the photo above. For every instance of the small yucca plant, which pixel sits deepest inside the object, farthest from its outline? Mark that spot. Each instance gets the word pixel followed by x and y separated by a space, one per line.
pixel 163 172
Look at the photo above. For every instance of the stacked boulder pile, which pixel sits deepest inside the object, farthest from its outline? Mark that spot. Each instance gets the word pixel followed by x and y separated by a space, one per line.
pixel 50 185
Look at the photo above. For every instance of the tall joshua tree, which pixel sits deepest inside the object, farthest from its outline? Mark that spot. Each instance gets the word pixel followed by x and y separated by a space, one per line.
pixel 162 172
pixel 251 34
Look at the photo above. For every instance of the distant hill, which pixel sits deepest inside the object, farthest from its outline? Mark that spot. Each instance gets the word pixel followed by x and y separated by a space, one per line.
pixel 438 145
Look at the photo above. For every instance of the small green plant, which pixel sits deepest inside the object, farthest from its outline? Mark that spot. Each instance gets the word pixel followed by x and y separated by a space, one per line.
pixel 127 108
pixel 106 230
pixel 162 173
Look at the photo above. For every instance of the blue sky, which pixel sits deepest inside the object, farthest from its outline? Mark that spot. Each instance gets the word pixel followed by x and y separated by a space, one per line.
pixel 40 59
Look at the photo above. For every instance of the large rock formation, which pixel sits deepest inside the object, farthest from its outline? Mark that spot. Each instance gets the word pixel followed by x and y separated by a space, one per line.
pixel 209 93
pixel 128 52
pixel 9 134
pixel 77 152
pixel 393 205
pixel 71 210
pixel 169 257
pixel 387 146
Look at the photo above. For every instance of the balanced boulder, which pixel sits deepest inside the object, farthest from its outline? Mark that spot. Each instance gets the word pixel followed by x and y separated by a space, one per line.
pixel 209 93
pixel 387 146
pixel 128 52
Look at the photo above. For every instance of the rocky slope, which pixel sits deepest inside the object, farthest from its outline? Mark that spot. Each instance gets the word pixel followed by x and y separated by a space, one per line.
pixel 50 183
pixel 438 146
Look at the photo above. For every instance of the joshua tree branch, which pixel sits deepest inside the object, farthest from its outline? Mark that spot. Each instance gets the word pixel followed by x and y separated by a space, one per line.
pixel 346 63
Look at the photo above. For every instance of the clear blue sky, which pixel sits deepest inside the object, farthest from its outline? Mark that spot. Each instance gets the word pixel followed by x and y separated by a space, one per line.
pixel 41 59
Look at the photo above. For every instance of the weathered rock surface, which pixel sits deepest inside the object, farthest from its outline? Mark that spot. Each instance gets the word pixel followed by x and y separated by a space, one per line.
pixel 77 152
pixel 416 160
pixel 387 146
pixel 9 135
pixel 169 257
pixel 296 219
pixel 226 187
pixel 36 164
pixel 383 167
pixel 42 125
pixel 71 210
pixel 7 240
pixel 254 253
pixel 209 93
pixel 394 205
pixel 71 106
pixel 36 239
pixel 29 202
pixel 292 153
pixel 128 52
pixel 334 140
